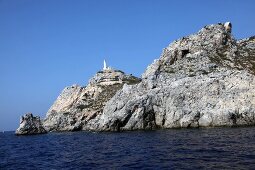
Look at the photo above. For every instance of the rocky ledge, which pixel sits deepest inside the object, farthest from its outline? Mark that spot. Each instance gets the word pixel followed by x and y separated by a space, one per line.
pixel 203 80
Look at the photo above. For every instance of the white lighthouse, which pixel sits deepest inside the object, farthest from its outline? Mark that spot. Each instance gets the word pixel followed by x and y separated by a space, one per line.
pixel 106 67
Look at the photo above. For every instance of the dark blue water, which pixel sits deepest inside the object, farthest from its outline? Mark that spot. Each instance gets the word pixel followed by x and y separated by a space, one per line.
pixel 216 148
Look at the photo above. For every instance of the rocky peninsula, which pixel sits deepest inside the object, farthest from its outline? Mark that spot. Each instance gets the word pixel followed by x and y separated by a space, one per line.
pixel 203 80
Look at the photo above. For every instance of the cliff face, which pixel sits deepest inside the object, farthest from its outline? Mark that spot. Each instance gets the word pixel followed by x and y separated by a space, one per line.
pixel 205 79
pixel 77 106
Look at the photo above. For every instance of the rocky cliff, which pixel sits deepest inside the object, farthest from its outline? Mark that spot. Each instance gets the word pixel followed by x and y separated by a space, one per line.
pixel 76 105
pixel 205 79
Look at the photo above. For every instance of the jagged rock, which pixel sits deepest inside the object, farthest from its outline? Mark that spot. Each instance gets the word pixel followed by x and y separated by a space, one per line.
pixel 205 79
pixel 30 125
pixel 76 105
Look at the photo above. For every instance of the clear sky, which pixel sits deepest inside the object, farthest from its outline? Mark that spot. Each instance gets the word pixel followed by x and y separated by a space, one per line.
pixel 46 45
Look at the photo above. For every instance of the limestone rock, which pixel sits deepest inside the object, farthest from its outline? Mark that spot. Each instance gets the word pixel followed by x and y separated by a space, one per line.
pixel 203 80
pixel 77 105
pixel 30 125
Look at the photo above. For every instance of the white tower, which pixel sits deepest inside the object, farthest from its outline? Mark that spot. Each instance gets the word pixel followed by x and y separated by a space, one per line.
pixel 105 66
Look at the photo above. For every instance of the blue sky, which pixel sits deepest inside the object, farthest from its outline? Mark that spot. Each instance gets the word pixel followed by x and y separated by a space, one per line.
pixel 46 45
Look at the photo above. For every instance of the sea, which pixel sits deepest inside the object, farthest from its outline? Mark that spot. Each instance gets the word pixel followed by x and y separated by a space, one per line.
pixel 210 148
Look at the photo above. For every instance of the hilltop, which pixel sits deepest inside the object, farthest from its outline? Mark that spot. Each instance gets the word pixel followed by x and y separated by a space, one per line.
pixel 206 79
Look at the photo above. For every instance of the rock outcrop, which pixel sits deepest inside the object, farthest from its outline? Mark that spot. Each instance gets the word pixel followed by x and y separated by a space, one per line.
pixel 30 125
pixel 76 105
pixel 203 80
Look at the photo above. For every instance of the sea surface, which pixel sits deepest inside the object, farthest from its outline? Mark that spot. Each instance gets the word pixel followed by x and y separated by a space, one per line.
pixel 213 148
